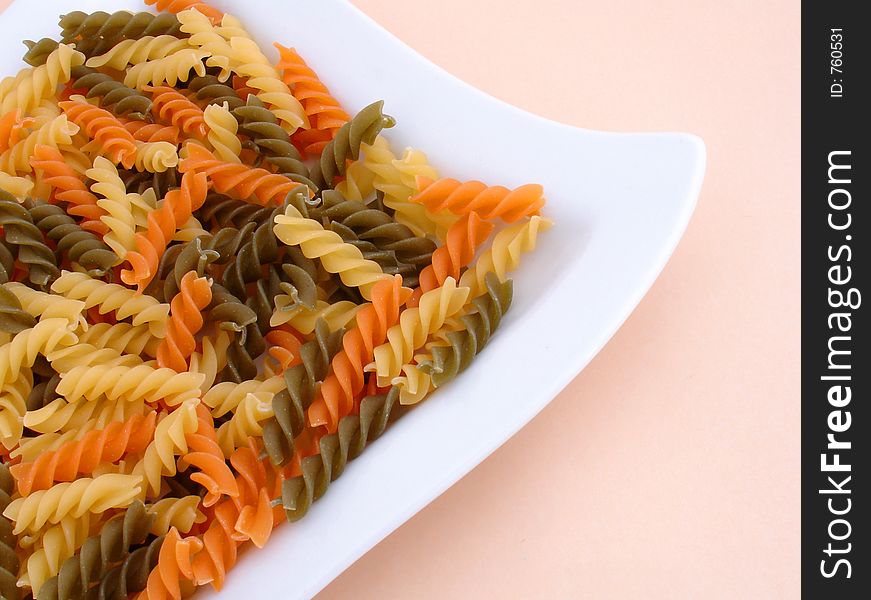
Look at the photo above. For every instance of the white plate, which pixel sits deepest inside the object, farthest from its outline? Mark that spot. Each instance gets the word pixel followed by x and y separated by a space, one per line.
pixel 620 202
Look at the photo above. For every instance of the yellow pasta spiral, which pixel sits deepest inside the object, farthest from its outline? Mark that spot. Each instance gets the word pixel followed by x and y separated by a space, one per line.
pixel 116 203
pixel 169 441
pixel 222 129
pixel 180 513
pixel 132 52
pixel 129 384
pixel 113 297
pixel 335 255
pixel 246 422
pixel 415 326
pixel 155 157
pixel 80 416
pixel 72 499
pixel 168 70
pixel 227 396
pixel 31 85
pixel 504 253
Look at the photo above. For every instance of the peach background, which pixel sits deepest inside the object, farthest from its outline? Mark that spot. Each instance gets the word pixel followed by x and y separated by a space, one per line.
pixel 670 467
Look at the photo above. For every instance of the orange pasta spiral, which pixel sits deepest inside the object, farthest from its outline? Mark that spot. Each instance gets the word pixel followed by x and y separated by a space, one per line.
pixel 324 112
pixel 103 127
pixel 170 106
pixel 185 319
pixel 69 187
pixel 206 455
pixel 173 566
pixel 496 202
pixel 337 394
pixel 251 184
pixel 176 6
pixel 283 347
pixel 81 457
pixel 256 516
pixel 11 125
pixel 233 520
pixel 178 206
pixel 152 132
pixel 461 242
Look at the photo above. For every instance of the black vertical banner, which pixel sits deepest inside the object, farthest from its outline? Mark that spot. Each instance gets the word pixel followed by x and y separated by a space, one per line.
pixel 836 362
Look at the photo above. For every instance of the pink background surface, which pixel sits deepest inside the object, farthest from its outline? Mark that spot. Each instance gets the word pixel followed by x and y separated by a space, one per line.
pixel 670 467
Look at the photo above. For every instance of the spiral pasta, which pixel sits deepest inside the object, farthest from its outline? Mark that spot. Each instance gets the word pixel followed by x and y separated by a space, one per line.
pixel 415 326
pixel 324 112
pixel 346 260
pixel 136 51
pixel 105 129
pixel 82 456
pixel 170 440
pixel 168 70
pixel 140 382
pixel 113 297
pixel 27 89
pixel 173 108
pixel 55 132
pixel 222 128
pixel 22 235
pixel 185 320
pixel 80 246
pixel 72 499
pixel 338 391
pixel 362 129
pixel 177 208
pixel 244 182
pixel 113 95
pixel 97 32
pixel 461 243
pixel 203 308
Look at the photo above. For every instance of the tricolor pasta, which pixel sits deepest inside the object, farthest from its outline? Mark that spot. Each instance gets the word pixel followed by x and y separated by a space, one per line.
pixel 217 288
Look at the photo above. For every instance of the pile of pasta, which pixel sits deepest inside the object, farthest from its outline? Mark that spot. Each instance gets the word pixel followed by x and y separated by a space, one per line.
pixel 218 288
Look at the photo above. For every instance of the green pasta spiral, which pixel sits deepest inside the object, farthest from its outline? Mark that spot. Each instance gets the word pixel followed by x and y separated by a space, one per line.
pixel 242 355
pixel 37 52
pixel 355 432
pixel 99 31
pixel 228 212
pixel 9 562
pixel 81 246
pixel 272 141
pixel 449 361
pixel 100 554
pixel 210 90
pixel 363 128
pixel 204 250
pixel 21 232
pixel 13 318
pixel 113 95
pixel 380 238
pixel 290 404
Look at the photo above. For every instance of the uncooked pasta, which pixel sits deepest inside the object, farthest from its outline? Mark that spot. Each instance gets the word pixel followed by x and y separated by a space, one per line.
pixel 218 287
